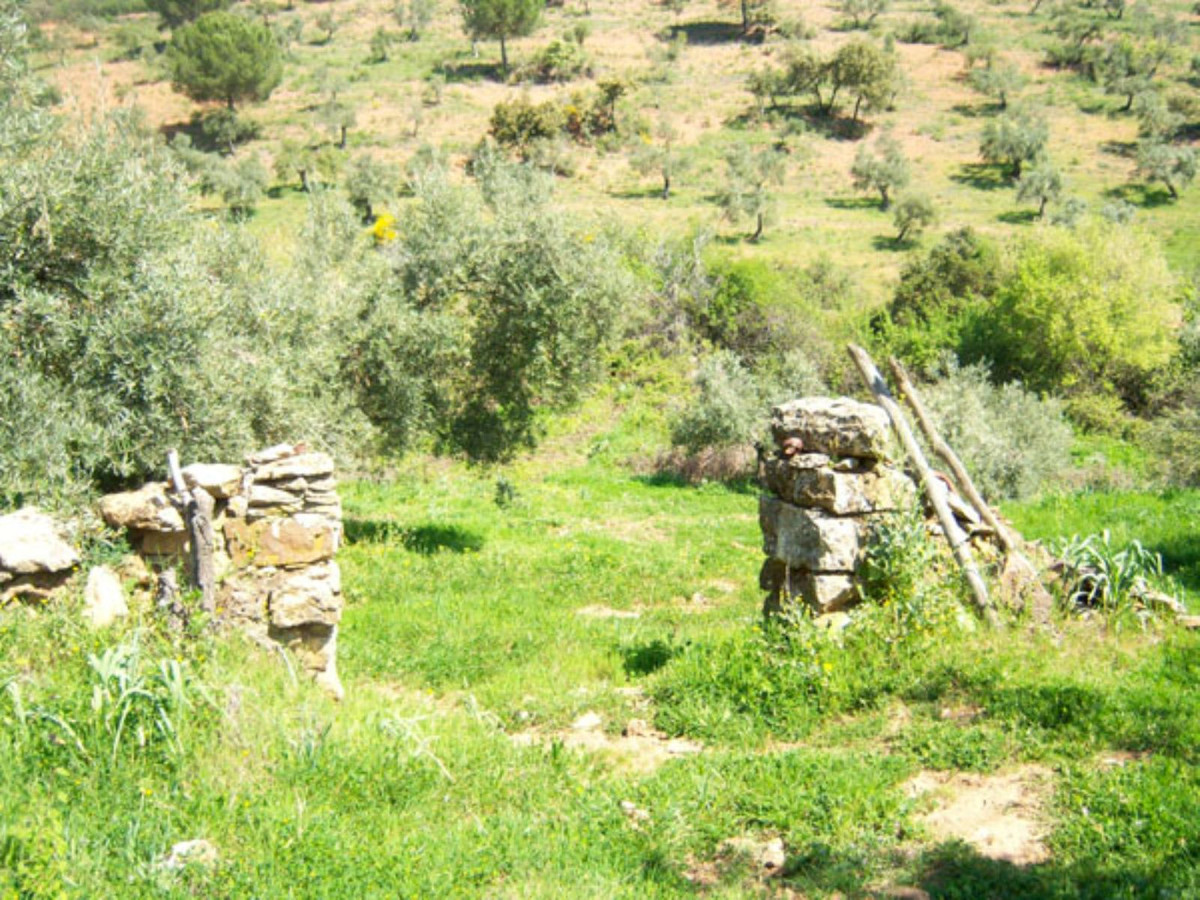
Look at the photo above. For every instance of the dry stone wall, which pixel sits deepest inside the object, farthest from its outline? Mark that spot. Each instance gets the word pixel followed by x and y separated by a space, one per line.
pixel 277 523
pixel 831 472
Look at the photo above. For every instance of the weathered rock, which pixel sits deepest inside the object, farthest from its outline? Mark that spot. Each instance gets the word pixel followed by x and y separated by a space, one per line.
pixel 271 454
pixel 162 544
pixel 809 539
pixel 222 481
pixel 146 509
pixel 103 598
pixel 834 426
pixel 809 480
pixel 306 465
pixel 825 592
pixel 315 648
pixel 310 596
pixel 263 496
pixel 30 544
pixel 190 853
pixel 281 542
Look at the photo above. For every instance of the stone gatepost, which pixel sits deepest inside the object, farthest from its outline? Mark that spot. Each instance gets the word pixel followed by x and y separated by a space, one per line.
pixel 277 524
pixel 830 474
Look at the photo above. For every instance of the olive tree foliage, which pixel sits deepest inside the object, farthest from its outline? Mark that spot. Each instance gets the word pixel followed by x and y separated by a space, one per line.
pixel 1014 139
pixel 1041 184
pixel 222 56
pixel 860 69
pixel 914 213
pixel 884 171
pixel 1172 165
pixel 861 13
pixel 496 307
pixel 179 12
pixel 999 79
pixel 500 20
pixel 750 177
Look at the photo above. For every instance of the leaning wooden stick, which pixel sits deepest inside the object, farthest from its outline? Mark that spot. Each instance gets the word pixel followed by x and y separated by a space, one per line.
pixel 198 514
pixel 965 485
pixel 933 490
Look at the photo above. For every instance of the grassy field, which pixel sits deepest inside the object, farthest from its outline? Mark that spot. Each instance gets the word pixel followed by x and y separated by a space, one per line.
pixel 702 95
pixel 561 688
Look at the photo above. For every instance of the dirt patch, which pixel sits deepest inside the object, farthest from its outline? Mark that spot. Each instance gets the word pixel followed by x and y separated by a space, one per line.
pixel 597 611
pixel 998 815
pixel 639 748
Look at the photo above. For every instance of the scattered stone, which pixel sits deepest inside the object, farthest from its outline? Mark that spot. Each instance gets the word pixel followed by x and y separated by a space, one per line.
pixel 103 598
pixel 634 813
pixel 222 481
pixel 1192 622
pixel 190 853
pixel 606 612
pixel 898 893
pixel 312 595
pixel 262 495
pixel 589 721
pixel 834 426
pixel 146 509
pixel 271 454
pixel 30 544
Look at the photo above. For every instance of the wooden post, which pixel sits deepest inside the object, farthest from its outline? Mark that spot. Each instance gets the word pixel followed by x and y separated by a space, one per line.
pixel 933 489
pixel 965 485
pixel 197 514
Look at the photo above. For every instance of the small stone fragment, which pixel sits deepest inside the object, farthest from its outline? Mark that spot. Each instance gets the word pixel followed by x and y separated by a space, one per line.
pixel 307 465
pixel 103 598
pixel 589 721
pixel 190 853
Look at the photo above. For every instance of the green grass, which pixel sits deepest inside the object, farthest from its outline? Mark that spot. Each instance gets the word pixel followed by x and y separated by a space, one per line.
pixel 463 628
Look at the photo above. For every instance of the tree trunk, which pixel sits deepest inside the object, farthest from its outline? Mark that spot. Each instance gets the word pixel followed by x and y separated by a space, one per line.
pixel 758 230
pixel 857 104
pixel 1171 189
pixel 342 142
pixel 900 236
pixel 885 201
pixel 303 173
pixel 745 16
pixel 503 55
pixel 229 102
pixel 1042 209
pixel 666 192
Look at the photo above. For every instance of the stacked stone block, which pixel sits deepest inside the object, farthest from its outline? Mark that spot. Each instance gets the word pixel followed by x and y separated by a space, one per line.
pixel 831 472
pixel 277 525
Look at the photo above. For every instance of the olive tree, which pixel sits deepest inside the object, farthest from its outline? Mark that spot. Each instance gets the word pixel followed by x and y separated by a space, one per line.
pixel 1041 184
pixel 1174 166
pixel 222 56
pixel 179 12
pixel 914 213
pixel 884 171
pixel 1015 138
pixel 998 79
pixel 750 177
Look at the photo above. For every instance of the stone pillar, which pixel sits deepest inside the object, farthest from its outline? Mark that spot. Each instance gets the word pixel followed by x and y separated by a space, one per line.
pixel 277 525
pixel 830 473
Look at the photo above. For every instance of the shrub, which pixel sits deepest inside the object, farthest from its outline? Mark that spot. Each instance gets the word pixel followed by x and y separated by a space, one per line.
pixel 1012 442
pixel 520 122
pixel 562 60
pixel 727 409
pixel 1086 311
pixel 914 213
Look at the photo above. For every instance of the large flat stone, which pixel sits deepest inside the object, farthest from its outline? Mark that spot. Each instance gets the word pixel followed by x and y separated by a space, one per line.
pixel 824 592
pixel 869 487
pixel 220 480
pixel 30 544
pixel 312 596
pixel 809 539
pixel 146 509
pixel 280 542
pixel 835 426
pixel 306 465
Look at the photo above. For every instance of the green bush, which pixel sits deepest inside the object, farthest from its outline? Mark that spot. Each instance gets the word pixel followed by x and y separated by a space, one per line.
pixel 727 410
pixel 1012 442
pixel 1093 310
pixel 518 123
